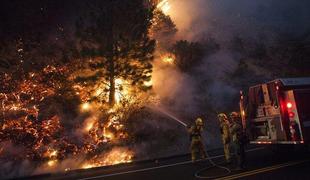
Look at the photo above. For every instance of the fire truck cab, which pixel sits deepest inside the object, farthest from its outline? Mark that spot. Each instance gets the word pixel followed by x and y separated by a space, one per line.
pixel 277 112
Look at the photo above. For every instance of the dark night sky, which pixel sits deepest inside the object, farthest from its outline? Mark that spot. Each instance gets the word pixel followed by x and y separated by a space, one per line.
pixel 21 18
pixel 25 17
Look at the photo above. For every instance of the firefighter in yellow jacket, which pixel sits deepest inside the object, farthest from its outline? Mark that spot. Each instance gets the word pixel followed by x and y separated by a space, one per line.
pixel 224 127
pixel 197 146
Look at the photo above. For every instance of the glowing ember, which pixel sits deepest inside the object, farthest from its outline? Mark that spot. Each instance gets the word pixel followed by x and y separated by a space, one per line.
pixel 85 106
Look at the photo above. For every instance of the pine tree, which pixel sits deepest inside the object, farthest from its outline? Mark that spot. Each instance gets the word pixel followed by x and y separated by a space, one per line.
pixel 163 30
pixel 115 32
pixel 188 54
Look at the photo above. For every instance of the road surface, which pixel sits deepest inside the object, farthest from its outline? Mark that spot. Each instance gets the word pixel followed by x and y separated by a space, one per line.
pixel 262 163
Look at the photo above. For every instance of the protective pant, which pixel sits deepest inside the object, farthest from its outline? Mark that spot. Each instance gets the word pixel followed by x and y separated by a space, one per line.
pixel 197 148
pixel 226 152
pixel 239 154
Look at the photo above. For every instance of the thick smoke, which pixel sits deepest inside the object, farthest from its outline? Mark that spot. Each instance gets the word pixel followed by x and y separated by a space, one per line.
pixel 170 83
pixel 10 168
pixel 213 90
pixel 224 20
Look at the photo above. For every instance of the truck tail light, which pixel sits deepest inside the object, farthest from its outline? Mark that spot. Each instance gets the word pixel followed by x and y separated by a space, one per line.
pixel 291 114
pixel 289 105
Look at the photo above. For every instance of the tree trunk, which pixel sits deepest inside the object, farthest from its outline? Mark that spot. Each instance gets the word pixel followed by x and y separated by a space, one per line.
pixel 112 91
pixel 111 80
pixel 111 56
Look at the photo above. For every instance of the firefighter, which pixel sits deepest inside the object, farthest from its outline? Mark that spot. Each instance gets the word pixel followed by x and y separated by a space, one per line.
pixel 224 127
pixel 238 140
pixel 197 146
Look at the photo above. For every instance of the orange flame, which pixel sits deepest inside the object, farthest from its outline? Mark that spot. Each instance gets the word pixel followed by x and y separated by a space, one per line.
pixel 164 6
pixel 115 156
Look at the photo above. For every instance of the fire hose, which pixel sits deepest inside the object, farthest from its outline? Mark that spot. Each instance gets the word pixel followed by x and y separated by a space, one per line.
pixel 198 173
pixel 213 164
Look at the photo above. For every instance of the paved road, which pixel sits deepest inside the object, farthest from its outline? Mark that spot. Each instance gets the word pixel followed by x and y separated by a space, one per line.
pixel 262 163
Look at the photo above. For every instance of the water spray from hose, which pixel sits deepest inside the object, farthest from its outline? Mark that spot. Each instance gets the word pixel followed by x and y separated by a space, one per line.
pixel 168 114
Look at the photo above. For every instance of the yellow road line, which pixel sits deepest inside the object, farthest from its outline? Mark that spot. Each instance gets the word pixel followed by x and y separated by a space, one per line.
pixel 257 171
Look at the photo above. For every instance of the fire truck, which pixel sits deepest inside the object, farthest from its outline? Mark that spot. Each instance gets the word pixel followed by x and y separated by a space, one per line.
pixel 277 112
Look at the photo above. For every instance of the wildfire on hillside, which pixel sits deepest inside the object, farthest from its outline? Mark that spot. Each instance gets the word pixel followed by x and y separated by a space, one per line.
pixel 29 120
pixel 46 139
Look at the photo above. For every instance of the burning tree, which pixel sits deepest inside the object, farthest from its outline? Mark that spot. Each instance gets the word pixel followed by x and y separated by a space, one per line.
pixel 116 36
pixel 46 81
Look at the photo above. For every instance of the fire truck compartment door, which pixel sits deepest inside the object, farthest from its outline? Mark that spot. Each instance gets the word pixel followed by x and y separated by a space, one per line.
pixel 302 98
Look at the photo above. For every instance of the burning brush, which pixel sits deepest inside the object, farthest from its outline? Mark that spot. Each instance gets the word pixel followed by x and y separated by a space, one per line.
pixel 47 136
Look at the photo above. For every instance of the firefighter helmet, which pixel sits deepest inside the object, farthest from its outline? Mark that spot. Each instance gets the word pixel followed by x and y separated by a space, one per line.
pixel 234 116
pixel 222 116
pixel 199 122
